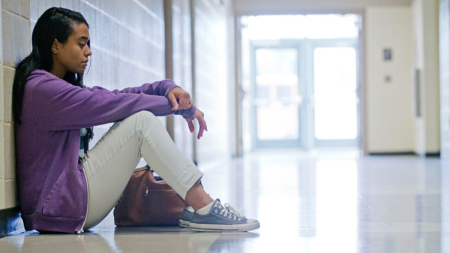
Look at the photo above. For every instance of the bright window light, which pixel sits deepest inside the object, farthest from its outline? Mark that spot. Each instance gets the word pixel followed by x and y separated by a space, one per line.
pixel 272 27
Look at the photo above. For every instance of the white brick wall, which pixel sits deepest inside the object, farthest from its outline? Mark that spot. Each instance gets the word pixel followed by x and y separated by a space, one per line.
pixel 15 31
pixel 182 68
pixel 211 80
pixel 127 38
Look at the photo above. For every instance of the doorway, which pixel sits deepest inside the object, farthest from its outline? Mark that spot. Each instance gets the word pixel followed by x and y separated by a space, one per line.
pixel 334 100
pixel 300 79
pixel 276 96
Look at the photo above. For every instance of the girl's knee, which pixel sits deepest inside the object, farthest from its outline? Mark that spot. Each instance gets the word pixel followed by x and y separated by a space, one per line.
pixel 146 116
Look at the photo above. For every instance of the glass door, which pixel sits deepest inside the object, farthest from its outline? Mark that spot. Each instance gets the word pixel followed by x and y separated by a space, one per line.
pixel 276 96
pixel 334 99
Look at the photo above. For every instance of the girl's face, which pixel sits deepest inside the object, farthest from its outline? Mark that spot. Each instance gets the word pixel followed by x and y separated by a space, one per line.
pixel 73 55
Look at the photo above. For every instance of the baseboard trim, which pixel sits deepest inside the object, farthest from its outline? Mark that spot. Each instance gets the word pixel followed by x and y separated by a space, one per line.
pixel 392 153
pixel 10 222
pixel 407 153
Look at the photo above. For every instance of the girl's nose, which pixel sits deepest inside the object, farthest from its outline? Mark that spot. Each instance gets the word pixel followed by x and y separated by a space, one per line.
pixel 88 52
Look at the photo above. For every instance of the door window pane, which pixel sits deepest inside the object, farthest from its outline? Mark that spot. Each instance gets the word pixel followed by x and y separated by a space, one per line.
pixel 284 94
pixel 335 93
pixel 277 116
pixel 263 92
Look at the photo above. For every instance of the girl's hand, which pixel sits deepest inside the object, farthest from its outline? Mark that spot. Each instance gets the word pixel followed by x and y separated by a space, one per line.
pixel 199 115
pixel 180 99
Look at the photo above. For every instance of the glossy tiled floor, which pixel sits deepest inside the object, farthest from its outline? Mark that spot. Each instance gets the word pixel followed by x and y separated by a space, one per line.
pixel 306 202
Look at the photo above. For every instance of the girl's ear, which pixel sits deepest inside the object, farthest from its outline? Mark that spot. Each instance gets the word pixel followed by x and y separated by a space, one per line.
pixel 55 46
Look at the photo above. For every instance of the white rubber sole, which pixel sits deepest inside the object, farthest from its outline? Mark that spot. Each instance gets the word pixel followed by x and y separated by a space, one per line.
pixel 184 223
pixel 250 225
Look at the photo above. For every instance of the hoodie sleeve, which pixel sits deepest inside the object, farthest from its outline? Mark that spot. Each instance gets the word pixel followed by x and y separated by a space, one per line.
pixel 160 88
pixel 62 106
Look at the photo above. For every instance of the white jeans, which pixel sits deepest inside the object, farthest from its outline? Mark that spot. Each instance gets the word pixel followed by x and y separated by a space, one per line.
pixel 110 163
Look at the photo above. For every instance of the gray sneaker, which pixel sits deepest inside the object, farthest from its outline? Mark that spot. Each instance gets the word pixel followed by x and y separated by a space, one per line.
pixel 185 219
pixel 222 218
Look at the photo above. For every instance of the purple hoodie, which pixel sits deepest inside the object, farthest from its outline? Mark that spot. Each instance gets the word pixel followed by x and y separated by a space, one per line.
pixel 51 182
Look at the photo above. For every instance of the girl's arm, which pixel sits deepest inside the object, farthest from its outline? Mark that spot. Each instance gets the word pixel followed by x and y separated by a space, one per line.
pixel 160 88
pixel 59 105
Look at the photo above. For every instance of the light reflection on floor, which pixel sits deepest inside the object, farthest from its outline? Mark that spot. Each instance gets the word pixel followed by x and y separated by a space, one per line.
pixel 321 201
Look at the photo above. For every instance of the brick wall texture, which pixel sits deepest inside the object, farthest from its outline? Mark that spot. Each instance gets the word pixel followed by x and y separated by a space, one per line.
pixel 127 41
pixel 16 43
pixel 128 46
pixel 211 79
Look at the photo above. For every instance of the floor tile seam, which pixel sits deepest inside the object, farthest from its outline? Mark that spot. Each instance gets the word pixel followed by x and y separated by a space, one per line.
pixel 373 212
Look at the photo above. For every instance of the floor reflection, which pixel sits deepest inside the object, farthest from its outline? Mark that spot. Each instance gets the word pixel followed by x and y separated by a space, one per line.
pixel 130 240
pixel 320 201
pixel 336 205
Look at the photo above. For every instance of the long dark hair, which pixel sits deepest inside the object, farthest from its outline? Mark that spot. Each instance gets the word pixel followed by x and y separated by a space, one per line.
pixel 55 23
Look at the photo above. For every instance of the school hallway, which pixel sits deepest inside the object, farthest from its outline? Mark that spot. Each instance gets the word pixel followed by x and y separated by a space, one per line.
pixel 317 201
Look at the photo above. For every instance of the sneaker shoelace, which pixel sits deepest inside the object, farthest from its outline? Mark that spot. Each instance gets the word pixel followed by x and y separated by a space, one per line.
pixel 231 213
